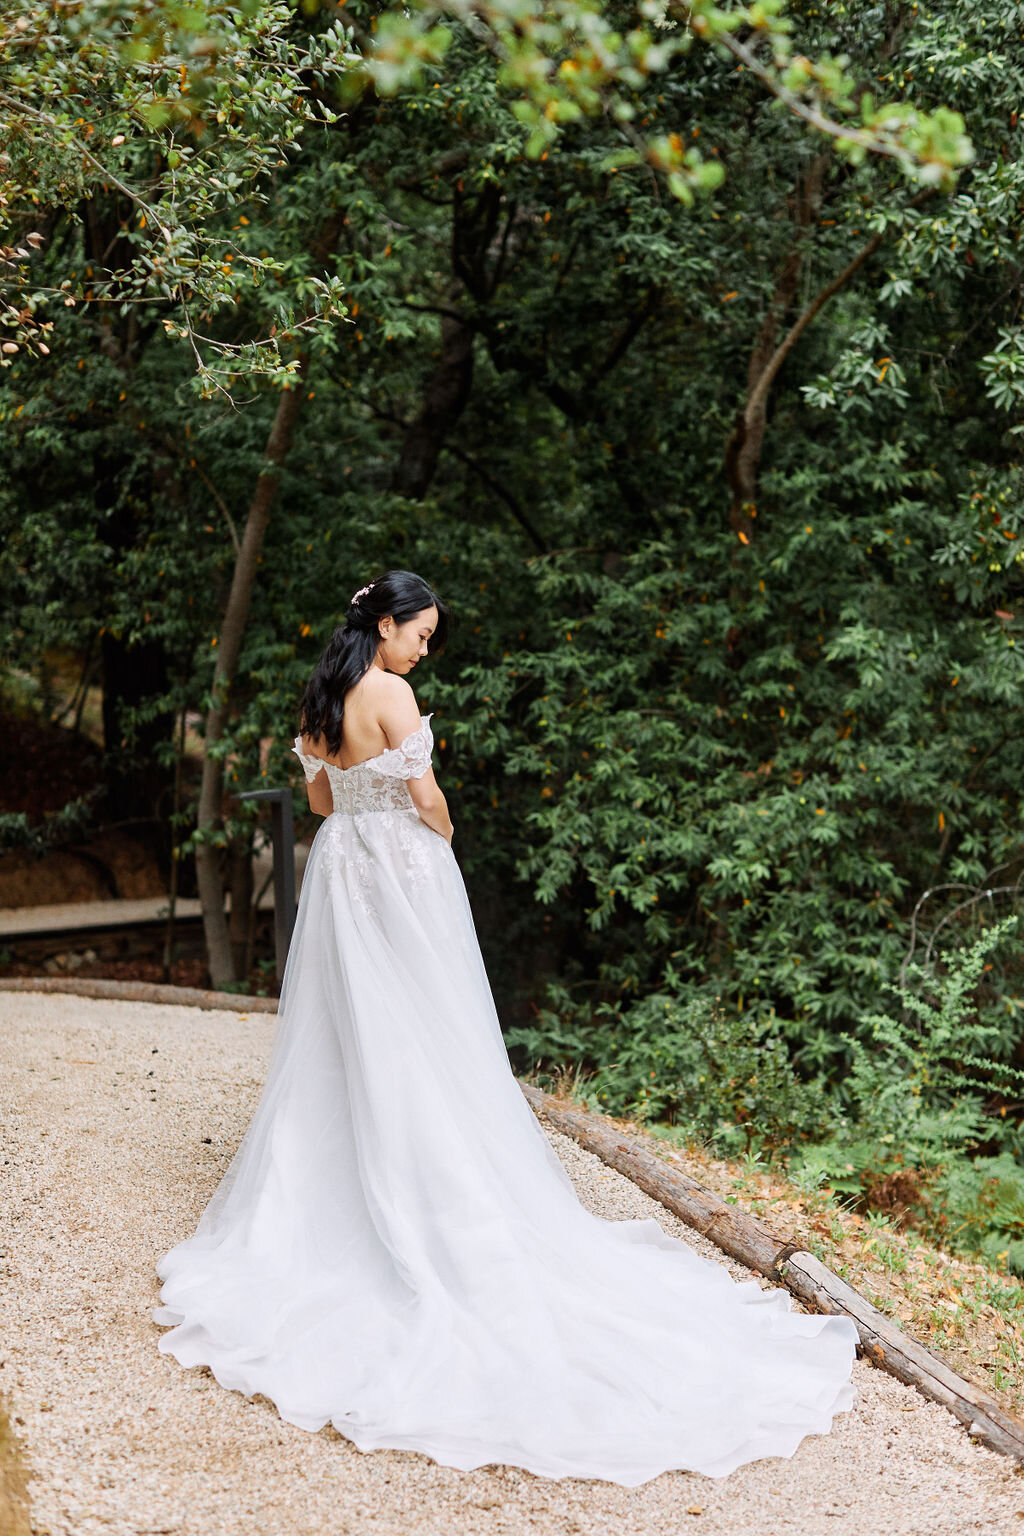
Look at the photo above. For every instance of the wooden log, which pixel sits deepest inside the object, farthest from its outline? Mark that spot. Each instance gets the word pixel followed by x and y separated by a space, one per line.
pixel 886 1345
pixel 755 1244
pixel 139 992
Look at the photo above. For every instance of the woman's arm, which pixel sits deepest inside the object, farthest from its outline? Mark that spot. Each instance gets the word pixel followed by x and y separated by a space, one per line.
pixel 399 717
pixel 431 804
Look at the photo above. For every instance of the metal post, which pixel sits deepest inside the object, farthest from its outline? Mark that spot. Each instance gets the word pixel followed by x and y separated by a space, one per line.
pixel 282 836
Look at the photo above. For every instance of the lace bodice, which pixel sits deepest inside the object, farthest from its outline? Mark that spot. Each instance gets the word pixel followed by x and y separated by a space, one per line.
pixel 379 783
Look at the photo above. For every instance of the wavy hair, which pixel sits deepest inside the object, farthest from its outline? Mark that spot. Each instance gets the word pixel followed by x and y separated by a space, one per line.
pixel 349 653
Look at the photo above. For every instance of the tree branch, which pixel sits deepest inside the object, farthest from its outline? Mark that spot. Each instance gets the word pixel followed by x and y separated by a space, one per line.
pixel 538 540
pixel 750 428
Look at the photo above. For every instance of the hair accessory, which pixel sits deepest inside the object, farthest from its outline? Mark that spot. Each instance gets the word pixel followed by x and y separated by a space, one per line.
pixel 361 593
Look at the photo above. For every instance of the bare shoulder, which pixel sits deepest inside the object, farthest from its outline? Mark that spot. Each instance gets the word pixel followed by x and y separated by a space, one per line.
pixel 392 687
pixel 386 690
pixel 395 706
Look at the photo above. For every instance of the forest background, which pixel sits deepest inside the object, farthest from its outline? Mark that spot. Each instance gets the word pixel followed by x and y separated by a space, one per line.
pixel 681 348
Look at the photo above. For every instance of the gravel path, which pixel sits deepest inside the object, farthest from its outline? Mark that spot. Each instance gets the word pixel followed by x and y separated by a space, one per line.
pixel 118 1120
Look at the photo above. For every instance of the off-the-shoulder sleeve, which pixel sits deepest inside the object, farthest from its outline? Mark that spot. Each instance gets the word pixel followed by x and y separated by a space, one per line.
pixel 411 758
pixel 310 765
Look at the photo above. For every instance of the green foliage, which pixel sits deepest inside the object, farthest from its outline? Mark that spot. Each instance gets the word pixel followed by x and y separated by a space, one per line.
pixel 719 1077
pixel 575 59
pixel 183 114
pixel 56 828
pixel 982 1208
pixel 917 1127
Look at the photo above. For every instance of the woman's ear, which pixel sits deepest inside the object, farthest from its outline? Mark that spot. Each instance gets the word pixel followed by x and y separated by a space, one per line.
pixel 385 626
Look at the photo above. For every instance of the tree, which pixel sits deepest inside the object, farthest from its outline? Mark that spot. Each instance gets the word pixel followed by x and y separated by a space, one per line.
pixel 135 139
pixel 538 398
pixel 144 128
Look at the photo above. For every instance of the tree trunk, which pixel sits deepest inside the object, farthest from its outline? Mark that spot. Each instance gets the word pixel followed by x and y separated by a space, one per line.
pixel 210 838
pixel 445 399
pixel 210 841
pixel 743 451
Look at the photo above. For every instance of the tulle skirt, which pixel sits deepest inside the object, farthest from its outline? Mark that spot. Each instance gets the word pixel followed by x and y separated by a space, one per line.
pixel 396 1249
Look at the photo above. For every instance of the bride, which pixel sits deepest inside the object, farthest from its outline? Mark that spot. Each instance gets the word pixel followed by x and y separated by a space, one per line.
pixel 396 1249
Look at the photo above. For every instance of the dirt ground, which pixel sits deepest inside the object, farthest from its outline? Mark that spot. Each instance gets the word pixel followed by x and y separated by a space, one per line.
pixel 118 1120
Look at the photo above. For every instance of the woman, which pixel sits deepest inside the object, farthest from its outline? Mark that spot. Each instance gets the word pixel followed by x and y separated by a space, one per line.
pixel 396 1249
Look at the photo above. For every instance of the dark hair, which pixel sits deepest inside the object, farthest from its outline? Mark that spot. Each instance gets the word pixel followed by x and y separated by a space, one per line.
pixel 349 653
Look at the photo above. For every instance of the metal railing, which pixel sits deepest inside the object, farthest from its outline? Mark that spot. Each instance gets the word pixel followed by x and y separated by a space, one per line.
pixel 282 838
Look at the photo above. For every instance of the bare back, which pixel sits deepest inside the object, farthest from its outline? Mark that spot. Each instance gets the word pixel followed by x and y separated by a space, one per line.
pixel 380 711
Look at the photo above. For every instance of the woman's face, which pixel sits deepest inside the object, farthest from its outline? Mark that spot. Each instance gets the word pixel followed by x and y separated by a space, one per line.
pixel 403 645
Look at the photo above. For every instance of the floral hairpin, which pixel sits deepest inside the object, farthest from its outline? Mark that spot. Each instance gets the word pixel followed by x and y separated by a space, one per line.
pixel 361 593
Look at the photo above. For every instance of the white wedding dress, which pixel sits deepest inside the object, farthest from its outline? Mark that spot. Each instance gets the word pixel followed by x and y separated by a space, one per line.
pixel 397 1250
